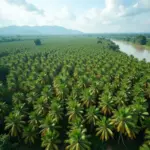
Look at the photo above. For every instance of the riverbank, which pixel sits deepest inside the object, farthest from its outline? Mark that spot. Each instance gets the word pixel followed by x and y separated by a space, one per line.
pixel 146 47
pixel 137 51
pixel 140 47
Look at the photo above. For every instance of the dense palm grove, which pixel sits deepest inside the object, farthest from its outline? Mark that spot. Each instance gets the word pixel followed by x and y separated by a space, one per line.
pixel 65 94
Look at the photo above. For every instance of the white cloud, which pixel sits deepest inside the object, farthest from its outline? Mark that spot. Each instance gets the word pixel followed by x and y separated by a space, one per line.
pixel 111 4
pixel 19 15
pixel 26 5
pixel 114 17
pixel 16 14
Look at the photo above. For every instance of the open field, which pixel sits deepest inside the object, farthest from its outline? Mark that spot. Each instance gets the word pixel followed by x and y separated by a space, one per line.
pixel 73 93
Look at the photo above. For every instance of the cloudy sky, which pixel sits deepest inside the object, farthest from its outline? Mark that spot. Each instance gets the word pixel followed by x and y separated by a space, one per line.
pixel 92 16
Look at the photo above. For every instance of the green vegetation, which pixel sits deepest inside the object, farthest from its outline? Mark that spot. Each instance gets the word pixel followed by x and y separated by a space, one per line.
pixel 107 44
pixel 142 40
pixel 148 43
pixel 37 42
pixel 9 39
pixel 139 39
pixel 73 93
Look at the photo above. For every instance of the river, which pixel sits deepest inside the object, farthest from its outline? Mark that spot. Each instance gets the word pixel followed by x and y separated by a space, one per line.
pixel 135 51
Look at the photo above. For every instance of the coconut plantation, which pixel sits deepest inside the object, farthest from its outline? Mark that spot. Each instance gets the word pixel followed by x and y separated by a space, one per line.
pixel 72 93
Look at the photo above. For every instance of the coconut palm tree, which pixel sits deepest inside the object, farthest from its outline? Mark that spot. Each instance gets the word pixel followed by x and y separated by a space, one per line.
pixel 41 107
pixel 50 140
pixel 34 119
pixel 92 115
pixel 87 98
pixel 75 110
pixel 104 129
pixel 121 98
pixel 62 91
pixel 139 111
pixel 29 134
pixel 47 93
pixel 31 98
pixel 20 108
pixel 14 123
pixel 78 140
pixel 18 98
pixel 138 91
pixel 56 110
pixel 124 122
pixel 106 104
pixel 12 86
pixel 3 109
pixel 76 124
pixel 48 123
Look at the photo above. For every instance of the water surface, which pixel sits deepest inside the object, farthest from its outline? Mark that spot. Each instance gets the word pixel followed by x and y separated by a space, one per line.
pixel 137 52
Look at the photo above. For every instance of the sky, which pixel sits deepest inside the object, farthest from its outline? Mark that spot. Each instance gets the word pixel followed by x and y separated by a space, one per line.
pixel 89 16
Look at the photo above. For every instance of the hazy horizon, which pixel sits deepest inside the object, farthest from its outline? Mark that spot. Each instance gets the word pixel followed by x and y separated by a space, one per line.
pixel 77 30
pixel 87 16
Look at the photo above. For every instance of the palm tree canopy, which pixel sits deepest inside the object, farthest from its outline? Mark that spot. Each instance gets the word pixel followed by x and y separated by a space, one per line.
pixel 124 122
pixel 78 140
pixel 75 110
pixel 29 134
pixel 92 115
pixel 50 140
pixel 14 123
pixel 104 129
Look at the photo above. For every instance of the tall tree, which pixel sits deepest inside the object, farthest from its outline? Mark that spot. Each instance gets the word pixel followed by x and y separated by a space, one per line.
pixel 75 110
pixel 92 115
pixel 14 123
pixel 50 140
pixel 78 140
pixel 141 40
pixel 104 129
pixel 29 134
pixel 124 122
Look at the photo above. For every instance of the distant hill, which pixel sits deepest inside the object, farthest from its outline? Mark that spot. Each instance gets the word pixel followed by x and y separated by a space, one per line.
pixel 36 30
